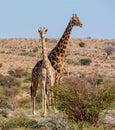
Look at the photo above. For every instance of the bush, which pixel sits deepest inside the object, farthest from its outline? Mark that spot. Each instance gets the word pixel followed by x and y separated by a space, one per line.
pixel 109 49
pixel 86 61
pixel 17 122
pixel 11 92
pixel 24 103
pixel 0 65
pixel 82 102
pixel 82 44
pixel 27 79
pixel 23 53
pixel 9 81
pixel 18 72
pixel 5 103
pixel 35 49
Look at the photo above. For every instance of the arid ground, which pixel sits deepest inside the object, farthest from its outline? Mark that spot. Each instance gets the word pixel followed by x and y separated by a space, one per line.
pixel 25 52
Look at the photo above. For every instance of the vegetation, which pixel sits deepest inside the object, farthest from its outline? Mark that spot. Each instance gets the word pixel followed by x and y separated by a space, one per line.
pixel 35 49
pixel 84 102
pixel 0 65
pixel 109 49
pixel 85 61
pixel 17 122
pixel 9 81
pixel 82 44
pixel 18 72
pixel 82 99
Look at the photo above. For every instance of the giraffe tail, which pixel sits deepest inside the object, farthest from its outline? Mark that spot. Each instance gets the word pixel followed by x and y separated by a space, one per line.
pixel 31 90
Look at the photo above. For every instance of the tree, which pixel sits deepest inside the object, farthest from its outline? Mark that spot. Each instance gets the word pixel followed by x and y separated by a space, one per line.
pixel 109 49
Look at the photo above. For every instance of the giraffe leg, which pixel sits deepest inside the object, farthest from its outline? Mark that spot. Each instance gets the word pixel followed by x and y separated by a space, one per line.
pixel 54 95
pixel 54 102
pixel 34 102
pixel 49 100
pixel 44 99
pixel 33 96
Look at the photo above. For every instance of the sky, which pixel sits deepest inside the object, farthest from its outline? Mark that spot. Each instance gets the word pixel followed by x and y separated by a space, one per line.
pixel 22 18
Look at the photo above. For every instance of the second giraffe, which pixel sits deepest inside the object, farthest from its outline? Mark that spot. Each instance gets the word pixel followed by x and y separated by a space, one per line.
pixel 46 76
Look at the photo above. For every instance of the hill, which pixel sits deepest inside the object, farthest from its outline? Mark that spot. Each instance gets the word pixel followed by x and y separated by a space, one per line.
pixel 25 52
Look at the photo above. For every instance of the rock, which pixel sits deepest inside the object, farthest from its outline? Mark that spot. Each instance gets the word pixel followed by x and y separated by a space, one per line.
pixel 107 117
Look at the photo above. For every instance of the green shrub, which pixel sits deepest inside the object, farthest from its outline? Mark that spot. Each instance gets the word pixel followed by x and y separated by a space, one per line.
pixel 17 122
pixel 82 44
pixel 18 72
pixel 0 65
pixel 9 81
pixel 2 51
pixel 83 102
pixel 23 53
pixel 11 92
pixel 86 61
pixel 35 49
pixel 97 80
pixel 24 103
pixel 39 96
pixel 27 79
pixel 86 126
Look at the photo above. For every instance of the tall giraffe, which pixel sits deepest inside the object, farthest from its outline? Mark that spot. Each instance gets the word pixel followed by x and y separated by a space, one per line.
pixel 57 54
pixel 56 57
pixel 46 76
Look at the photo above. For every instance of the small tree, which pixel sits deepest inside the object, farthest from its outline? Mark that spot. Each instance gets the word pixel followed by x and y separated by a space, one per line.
pixel 109 49
pixel 85 61
pixel 82 101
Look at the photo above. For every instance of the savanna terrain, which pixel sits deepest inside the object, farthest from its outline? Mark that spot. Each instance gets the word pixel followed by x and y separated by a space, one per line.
pixel 24 53
pixel 85 57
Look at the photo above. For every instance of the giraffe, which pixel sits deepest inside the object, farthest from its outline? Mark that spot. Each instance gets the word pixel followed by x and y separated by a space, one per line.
pixel 46 75
pixel 57 54
pixel 56 57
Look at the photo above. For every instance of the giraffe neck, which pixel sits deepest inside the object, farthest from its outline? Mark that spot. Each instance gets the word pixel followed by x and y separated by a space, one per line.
pixel 44 52
pixel 61 47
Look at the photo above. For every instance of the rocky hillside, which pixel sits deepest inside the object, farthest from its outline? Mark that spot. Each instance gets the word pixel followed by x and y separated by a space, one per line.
pixel 25 52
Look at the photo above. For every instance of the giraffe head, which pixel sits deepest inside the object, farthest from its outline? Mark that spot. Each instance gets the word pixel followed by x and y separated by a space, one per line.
pixel 42 32
pixel 75 21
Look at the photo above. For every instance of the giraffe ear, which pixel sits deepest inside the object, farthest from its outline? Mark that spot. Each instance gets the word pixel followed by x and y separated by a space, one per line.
pixel 39 29
pixel 46 30
pixel 75 14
